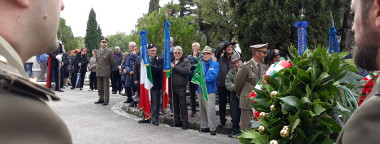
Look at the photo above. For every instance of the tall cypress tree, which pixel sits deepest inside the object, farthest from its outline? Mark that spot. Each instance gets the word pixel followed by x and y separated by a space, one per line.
pixel 93 32
pixel 154 5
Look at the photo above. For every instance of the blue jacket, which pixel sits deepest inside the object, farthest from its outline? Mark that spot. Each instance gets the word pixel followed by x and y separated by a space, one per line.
pixel 211 71
pixel 129 66
pixel 42 58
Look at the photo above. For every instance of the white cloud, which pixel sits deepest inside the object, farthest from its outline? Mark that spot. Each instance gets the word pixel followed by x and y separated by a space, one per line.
pixel 112 15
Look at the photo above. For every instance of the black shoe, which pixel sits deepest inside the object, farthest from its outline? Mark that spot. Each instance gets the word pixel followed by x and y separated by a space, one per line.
pixel 205 130
pixel 98 102
pixel 185 126
pixel 222 123
pixel 80 88
pixel 129 100
pixel 143 121
pixel 59 90
pixel 72 88
pixel 113 92
pixel 124 94
pixel 132 104
pixel 193 114
pixel 213 132
pixel 155 123
pixel 176 125
pixel 105 103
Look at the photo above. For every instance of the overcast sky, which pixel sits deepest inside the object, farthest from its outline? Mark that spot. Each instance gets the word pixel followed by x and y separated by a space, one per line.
pixel 112 15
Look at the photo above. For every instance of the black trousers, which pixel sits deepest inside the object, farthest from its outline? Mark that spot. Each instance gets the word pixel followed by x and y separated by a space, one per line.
pixel 56 79
pixel 155 105
pixel 180 108
pixel 130 92
pixel 116 81
pixel 193 88
pixel 93 81
pixel 235 113
pixel 74 83
pixel 223 94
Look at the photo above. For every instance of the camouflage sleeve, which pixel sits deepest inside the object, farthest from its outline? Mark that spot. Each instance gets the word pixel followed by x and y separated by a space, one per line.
pixel 230 85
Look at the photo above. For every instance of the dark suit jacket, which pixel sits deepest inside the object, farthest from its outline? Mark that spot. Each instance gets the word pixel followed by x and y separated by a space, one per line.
pixel 104 62
pixel 157 64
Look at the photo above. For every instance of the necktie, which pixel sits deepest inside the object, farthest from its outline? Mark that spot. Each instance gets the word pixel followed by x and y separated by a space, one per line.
pixel 259 69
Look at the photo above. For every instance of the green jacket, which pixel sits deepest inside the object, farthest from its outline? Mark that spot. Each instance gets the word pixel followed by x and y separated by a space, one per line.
pixel 230 82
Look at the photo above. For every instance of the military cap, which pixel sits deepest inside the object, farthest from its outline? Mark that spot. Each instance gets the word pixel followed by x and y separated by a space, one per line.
pixel 207 49
pixel 235 57
pixel 260 47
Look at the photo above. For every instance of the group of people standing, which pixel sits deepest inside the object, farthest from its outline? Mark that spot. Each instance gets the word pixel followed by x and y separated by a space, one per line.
pixel 226 77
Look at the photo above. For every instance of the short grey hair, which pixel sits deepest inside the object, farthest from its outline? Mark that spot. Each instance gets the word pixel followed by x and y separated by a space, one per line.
pixel 133 44
pixel 171 39
pixel 177 48
pixel 117 47
pixel 197 44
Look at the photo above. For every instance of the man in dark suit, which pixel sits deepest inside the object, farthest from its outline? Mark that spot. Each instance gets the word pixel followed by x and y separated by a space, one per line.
pixel 157 64
pixel 364 124
pixel 115 74
pixel 104 62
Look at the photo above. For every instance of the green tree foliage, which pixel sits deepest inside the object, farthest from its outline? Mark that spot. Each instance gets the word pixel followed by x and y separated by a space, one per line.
pixel 119 39
pixel 93 32
pixel 185 7
pixel 154 5
pixel 217 22
pixel 272 21
pixel 66 36
pixel 184 30
pixel 80 41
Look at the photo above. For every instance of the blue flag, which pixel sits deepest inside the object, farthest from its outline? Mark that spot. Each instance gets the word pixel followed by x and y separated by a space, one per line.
pixel 144 47
pixel 302 33
pixel 167 56
pixel 333 40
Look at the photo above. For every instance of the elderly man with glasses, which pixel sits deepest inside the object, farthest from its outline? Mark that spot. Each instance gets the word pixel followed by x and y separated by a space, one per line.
pixel 180 69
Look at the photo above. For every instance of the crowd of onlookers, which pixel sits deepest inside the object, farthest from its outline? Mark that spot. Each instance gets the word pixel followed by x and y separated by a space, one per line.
pixel 223 68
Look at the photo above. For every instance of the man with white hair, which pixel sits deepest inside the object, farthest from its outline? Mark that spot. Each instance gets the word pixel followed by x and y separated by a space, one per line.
pixel 129 71
pixel 180 69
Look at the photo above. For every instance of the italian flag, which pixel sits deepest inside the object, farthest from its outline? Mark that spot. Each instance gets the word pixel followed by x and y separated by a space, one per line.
pixel 166 89
pixel 146 83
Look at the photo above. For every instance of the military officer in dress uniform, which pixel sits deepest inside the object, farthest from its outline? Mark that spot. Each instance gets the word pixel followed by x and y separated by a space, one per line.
pixel 105 63
pixel 27 28
pixel 247 77
pixel 364 124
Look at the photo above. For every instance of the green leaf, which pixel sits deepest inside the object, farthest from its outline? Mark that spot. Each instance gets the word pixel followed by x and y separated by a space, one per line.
pixel 308 91
pixel 312 138
pixel 275 132
pixel 305 100
pixel 295 124
pixel 318 109
pixel 292 100
pixel 248 136
pixel 332 124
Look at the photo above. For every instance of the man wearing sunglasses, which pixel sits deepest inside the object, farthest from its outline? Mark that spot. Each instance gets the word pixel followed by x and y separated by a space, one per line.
pixel 104 63
pixel 247 77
